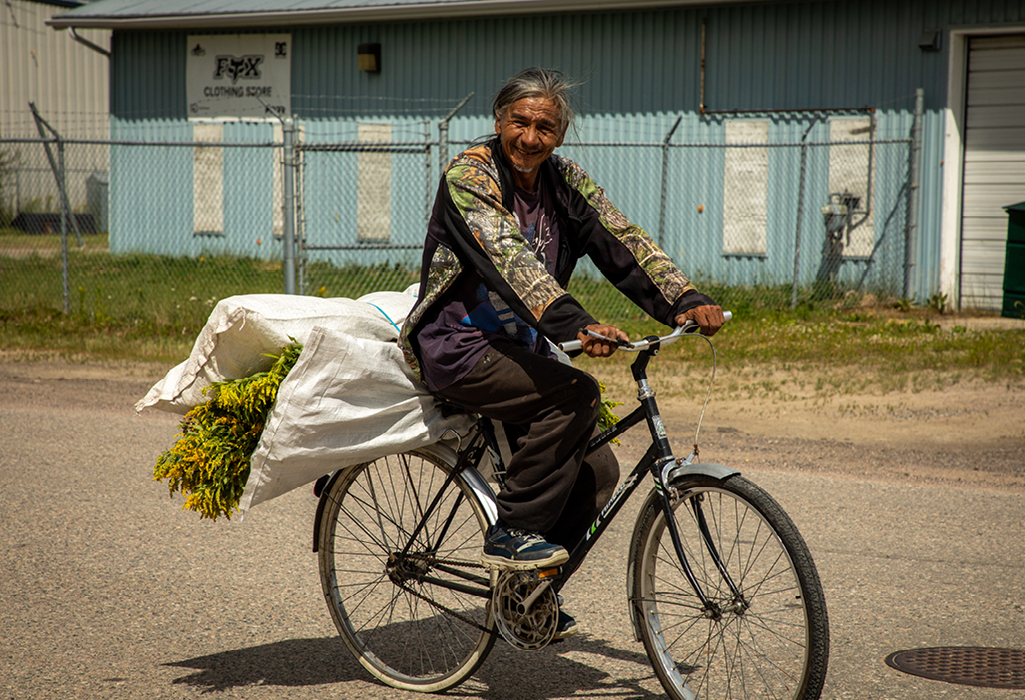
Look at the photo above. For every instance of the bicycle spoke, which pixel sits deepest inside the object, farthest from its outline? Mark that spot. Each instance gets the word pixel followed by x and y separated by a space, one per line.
pixel 753 642
pixel 413 609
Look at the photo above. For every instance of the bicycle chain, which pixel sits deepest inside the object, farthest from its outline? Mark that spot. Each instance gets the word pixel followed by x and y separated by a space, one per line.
pixel 438 605
pixel 456 562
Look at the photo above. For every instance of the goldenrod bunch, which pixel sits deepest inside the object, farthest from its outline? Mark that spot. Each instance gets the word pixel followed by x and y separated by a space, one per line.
pixel 209 463
pixel 606 416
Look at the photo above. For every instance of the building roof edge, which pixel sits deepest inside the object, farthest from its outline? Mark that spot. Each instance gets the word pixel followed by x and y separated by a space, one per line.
pixel 439 9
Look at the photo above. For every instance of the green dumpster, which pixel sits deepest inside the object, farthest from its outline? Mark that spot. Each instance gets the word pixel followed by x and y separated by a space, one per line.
pixel 1014 263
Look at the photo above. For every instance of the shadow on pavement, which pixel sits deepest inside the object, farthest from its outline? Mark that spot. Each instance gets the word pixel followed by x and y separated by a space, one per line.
pixel 292 662
pixel 323 661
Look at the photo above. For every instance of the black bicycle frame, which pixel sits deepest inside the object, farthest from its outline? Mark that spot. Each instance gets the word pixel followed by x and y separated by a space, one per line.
pixel 658 456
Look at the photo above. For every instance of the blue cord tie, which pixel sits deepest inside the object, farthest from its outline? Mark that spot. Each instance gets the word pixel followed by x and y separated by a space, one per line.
pixel 395 325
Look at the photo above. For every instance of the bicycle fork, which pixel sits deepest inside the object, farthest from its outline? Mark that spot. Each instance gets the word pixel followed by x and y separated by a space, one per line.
pixel 662 463
pixel 712 610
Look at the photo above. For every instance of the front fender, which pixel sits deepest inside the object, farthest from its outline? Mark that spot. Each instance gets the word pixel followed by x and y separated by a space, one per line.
pixel 716 471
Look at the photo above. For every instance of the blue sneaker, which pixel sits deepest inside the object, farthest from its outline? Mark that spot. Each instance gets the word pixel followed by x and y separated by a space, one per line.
pixel 513 549
pixel 566 627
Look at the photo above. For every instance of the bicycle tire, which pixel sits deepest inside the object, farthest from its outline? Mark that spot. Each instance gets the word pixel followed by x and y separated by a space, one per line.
pixel 400 623
pixel 772 643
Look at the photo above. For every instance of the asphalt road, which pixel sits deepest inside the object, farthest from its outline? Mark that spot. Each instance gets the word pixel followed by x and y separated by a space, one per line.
pixel 108 590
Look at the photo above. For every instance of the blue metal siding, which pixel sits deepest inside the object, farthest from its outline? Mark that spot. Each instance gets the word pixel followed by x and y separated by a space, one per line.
pixel 248 192
pixel 150 189
pixel 640 71
pixel 759 56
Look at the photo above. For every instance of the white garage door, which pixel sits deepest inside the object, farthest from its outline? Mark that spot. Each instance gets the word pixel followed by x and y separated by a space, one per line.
pixel 994 163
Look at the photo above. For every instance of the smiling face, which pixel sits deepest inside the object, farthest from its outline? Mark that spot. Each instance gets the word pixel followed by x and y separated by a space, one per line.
pixel 530 129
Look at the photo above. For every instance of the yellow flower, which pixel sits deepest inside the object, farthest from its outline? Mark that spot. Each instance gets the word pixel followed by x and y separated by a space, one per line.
pixel 209 462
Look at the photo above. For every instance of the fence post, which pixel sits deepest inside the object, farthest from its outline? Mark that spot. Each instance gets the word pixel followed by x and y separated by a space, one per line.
pixel 288 203
pixel 57 166
pixel 800 214
pixel 443 134
pixel 913 193
pixel 65 262
pixel 298 185
pixel 665 173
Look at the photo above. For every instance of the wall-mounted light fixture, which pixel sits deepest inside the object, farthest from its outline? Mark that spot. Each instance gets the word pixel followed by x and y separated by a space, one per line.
pixel 930 40
pixel 370 58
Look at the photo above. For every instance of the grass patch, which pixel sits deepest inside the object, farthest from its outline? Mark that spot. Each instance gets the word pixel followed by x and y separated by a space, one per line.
pixel 148 307
pixel 783 354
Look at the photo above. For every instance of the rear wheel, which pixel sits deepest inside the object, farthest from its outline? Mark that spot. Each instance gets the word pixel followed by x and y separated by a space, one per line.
pixel 418 618
pixel 767 639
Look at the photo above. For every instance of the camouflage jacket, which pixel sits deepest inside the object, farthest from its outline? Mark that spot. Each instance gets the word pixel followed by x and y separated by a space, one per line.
pixel 472 227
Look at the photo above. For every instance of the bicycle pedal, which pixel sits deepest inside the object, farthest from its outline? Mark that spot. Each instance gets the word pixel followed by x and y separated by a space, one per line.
pixel 544 573
pixel 525 608
pixel 529 577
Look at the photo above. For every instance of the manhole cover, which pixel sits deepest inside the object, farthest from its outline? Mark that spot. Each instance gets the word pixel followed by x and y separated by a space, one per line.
pixel 978 666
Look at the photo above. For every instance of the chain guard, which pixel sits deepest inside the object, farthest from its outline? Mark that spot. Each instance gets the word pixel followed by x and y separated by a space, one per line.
pixel 530 630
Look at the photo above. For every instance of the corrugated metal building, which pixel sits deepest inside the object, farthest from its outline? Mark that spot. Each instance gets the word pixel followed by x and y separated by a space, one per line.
pixel 66 79
pixel 68 83
pixel 790 71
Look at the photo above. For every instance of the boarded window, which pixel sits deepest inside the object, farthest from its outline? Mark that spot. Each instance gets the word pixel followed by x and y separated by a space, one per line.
pixel 373 204
pixel 208 180
pixel 745 188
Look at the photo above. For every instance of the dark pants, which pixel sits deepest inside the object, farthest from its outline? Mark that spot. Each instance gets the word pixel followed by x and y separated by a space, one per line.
pixel 549 410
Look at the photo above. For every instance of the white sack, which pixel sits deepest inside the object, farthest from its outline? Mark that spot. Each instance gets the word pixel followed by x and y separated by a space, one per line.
pixel 242 329
pixel 347 400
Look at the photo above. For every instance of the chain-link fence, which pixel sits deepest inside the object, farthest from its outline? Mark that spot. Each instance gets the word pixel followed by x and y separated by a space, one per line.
pixel 169 218
pixel 138 237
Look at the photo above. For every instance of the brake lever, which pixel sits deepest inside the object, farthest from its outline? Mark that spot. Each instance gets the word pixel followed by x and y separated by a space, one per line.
pixel 573 345
pixel 688 328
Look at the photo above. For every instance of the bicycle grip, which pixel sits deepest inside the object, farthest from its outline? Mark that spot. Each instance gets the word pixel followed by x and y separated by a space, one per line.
pixel 574 345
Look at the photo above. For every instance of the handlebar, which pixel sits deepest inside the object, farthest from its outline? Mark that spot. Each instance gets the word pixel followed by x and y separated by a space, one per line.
pixel 680 331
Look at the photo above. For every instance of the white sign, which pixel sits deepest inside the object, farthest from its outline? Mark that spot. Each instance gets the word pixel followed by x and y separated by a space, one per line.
pixel 238 75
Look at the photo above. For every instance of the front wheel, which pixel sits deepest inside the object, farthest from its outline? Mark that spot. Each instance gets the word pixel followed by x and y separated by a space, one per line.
pixel 399 551
pixel 765 637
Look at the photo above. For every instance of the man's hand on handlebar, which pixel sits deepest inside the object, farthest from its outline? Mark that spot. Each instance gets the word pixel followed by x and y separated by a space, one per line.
pixel 600 347
pixel 709 318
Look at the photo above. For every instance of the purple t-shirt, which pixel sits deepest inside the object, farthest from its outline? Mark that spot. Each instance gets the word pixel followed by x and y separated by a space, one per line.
pixel 461 331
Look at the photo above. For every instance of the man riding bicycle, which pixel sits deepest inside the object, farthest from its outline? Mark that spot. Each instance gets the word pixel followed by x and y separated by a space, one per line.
pixel 510 221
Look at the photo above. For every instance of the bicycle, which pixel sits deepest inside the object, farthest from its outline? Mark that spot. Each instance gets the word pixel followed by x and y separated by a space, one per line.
pixel 723 591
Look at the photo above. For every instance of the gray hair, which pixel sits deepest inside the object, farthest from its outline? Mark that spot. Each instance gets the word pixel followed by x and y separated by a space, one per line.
pixel 536 82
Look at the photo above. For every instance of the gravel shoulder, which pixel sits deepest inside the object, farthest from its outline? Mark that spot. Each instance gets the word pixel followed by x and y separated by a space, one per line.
pixel 970 434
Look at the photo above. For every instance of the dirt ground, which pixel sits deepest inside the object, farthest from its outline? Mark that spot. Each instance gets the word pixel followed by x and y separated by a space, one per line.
pixel 971 434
